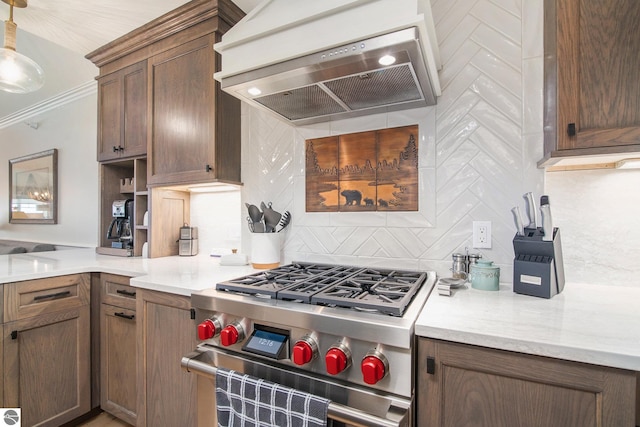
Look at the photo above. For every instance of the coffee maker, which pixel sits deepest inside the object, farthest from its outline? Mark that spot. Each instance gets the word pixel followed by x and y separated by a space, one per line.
pixel 120 227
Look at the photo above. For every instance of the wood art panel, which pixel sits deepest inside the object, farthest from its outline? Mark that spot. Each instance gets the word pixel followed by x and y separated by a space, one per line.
pixel 364 171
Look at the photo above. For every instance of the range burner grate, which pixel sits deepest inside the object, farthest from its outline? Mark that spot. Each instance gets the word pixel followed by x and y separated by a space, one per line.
pixel 385 291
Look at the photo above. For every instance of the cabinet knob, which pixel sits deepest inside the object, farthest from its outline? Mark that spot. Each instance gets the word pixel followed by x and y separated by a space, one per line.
pixel 208 168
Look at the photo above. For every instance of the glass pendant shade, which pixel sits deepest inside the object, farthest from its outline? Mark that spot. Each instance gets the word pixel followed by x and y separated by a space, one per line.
pixel 18 73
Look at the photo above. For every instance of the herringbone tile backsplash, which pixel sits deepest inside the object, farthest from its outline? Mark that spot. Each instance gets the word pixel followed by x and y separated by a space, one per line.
pixel 478 148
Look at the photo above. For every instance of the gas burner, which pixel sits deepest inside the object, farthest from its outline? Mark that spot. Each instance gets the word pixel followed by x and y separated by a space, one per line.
pixel 385 291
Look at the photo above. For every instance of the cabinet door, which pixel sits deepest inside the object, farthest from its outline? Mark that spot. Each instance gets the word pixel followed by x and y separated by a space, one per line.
pixel 122 113
pixel 134 106
pixel 109 116
pixel 592 54
pixel 118 394
pixel 166 332
pixel 466 385
pixel 182 110
pixel 47 366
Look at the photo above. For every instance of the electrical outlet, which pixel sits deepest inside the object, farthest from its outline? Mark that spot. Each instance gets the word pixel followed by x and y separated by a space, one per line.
pixel 482 234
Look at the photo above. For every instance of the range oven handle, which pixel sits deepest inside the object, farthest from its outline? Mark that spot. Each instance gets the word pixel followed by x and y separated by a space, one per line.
pixel 335 411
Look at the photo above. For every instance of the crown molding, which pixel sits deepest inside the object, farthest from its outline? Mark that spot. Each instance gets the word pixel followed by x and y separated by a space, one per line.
pixel 86 89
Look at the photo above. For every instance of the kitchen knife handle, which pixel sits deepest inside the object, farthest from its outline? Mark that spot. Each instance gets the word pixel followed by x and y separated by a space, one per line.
pixel 532 212
pixel 547 221
pixel 517 218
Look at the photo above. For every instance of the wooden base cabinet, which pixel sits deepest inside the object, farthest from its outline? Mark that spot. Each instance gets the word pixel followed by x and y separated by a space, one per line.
pixel 460 385
pixel 118 371
pixel 167 395
pixel 47 355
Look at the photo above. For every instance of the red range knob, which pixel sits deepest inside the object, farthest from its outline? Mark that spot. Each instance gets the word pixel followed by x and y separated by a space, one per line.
pixel 229 335
pixel 336 360
pixel 302 353
pixel 373 369
pixel 207 330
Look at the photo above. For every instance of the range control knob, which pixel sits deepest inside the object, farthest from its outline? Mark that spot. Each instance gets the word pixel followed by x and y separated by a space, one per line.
pixel 337 359
pixel 304 350
pixel 231 334
pixel 374 367
pixel 209 329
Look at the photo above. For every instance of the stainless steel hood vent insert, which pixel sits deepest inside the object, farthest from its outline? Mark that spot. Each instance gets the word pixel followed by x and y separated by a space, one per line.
pixel 342 81
pixel 357 92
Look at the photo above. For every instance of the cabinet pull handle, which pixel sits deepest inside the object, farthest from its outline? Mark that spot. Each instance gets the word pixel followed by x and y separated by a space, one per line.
pixel 571 129
pixel 193 313
pixel 125 292
pixel 14 335
pixel 120 148
pixel 208 168
pixel 431 365
pixel 56 295
pixel 125 316
pixel 115 149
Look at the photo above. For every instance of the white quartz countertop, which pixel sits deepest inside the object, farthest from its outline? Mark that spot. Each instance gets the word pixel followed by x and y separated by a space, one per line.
pixel 594 324
pixel 175 274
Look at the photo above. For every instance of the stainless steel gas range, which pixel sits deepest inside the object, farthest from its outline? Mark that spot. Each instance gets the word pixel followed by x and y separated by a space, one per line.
pixel 341 332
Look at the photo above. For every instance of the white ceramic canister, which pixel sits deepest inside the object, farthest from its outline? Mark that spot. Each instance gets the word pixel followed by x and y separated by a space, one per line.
pixel 484 275
pixel 265 250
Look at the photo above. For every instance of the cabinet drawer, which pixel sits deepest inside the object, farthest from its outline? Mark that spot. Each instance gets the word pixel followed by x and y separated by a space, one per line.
pixel 115 290
pixel 34 297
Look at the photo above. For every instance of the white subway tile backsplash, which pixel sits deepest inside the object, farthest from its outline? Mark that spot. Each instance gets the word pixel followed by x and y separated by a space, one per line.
pixel 478 149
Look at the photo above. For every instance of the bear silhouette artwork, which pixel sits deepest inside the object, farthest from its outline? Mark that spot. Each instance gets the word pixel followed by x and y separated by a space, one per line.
pixel 383 203
pixel 368 201
pixel 353 197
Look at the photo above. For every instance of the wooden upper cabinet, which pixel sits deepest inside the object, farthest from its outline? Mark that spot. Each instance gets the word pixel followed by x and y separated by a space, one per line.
pixel 592 93
pixel 195 130
pixel 156 85
pixel 122 113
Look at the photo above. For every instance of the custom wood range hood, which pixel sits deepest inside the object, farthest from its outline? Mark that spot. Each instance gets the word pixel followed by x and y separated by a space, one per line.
pixel 309 62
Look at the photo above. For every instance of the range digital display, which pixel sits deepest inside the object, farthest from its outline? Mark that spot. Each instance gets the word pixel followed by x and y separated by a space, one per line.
pixel 267 342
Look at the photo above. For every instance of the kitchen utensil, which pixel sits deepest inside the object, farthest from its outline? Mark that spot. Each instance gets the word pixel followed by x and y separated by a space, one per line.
pixel 255 227
pixel 284 221
pixel 254 213
pixel 547 221
pixel 532 212
pixel 517 218
pixel 484 275
pixel 271 217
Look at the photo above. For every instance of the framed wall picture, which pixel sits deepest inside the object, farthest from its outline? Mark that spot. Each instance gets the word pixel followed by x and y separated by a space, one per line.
pixel 33 188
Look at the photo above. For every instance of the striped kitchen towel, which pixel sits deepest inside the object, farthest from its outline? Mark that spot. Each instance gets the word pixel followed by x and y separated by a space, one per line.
pixel 246 401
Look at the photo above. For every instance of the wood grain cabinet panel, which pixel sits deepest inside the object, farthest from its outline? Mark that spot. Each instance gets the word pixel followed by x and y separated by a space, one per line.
pixel 195 130
pixel 122 113
pixel 118 348
pixel 167 395
pixel 466 385
pixel 47 368
pixel 592 95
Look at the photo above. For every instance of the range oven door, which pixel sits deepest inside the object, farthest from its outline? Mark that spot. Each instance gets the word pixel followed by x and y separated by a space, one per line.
pixel 350 405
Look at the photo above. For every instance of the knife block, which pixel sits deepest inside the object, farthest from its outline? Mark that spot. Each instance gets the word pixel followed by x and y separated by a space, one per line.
pixel 538 269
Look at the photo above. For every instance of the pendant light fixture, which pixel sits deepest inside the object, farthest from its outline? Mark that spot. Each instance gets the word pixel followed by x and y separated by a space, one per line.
pixel 18 73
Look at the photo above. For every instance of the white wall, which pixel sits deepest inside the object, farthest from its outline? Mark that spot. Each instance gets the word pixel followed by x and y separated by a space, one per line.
pixel 71 129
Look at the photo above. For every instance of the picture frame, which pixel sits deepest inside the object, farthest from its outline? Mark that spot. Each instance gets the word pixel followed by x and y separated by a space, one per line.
pixel 33 188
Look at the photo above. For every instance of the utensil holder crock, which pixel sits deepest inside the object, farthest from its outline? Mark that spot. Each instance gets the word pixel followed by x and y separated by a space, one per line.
pixel 265 250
